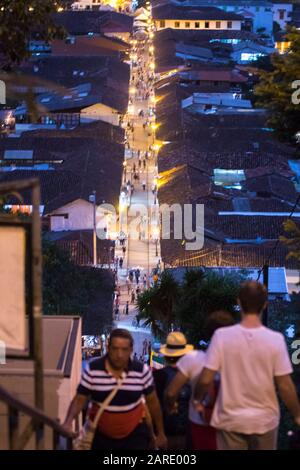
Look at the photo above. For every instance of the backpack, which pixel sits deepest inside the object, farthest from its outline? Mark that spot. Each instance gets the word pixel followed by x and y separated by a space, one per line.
pixel 177 423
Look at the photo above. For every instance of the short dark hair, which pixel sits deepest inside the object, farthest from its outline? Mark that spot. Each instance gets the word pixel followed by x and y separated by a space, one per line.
pixel 120 333
pixel 252 296
pixel 172 360
pixel 216 320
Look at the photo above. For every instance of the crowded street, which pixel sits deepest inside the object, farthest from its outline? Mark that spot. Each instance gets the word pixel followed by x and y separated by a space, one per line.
pixel 138 245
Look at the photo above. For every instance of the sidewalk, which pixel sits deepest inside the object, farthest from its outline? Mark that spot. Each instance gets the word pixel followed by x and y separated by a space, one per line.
pixel 141 229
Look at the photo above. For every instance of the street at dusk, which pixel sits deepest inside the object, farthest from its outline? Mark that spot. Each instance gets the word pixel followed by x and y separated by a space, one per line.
pixel 149 229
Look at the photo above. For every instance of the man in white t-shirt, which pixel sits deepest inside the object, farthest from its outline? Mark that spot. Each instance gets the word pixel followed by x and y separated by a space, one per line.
pixel 202 436
pixel 251 360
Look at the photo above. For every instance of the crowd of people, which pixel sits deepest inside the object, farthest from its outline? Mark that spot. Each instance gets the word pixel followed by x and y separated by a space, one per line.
pixel 224 398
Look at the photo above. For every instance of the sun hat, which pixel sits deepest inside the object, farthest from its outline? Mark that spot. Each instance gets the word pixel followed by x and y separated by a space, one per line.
pixel 176 345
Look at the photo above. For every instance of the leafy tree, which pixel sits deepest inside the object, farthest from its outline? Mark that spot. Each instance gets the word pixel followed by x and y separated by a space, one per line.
pixel 187 306
pixel 157 305
pixel 20 21
pixel 276 27
pixel 275 91
pixel 69 289
pixel 292 240
pixel 263 63
pixel 207 294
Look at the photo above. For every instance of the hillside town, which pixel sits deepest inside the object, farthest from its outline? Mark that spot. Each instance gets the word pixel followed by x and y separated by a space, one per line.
pixel 149 196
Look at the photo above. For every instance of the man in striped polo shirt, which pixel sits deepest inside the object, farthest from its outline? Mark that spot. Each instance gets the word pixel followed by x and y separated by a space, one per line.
pixel 123 424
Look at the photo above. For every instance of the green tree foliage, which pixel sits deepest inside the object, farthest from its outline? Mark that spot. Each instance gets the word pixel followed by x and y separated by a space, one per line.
pixel 157 305
pixel 274 92
pixel 207 294
pixel 68 289
pixel 292 240
pixel 20 21
pixel 188 305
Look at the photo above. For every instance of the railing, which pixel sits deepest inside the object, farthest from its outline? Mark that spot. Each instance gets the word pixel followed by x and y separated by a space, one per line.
pixel 37 423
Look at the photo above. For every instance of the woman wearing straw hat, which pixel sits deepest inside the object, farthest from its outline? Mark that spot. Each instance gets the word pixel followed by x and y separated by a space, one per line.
pixel 176 423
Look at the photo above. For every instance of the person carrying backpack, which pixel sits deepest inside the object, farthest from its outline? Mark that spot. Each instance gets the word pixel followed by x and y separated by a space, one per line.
pixel 202 435
pixel 175 424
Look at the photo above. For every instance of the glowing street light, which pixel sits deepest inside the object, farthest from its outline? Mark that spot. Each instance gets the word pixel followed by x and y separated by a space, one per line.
pixel 156 147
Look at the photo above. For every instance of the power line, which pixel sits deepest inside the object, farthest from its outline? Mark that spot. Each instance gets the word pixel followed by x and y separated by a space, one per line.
pixel 266 263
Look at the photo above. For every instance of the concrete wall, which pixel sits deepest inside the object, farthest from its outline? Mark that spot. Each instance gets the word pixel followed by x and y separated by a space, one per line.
pixel 17 378
pixel 236 25
pixel 100 112
pixel 284 9
pixel 80 216
pixel 263 16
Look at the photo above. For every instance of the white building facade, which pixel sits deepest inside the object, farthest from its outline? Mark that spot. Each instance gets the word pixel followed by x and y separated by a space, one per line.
pixel 197 24
pixel 282 14
pixel 258 14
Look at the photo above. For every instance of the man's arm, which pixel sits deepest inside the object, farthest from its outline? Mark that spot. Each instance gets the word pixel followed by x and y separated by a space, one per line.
pixel 156 415
pixel 288 394
pixel 76 406
pixel 206 378
pixel 173 390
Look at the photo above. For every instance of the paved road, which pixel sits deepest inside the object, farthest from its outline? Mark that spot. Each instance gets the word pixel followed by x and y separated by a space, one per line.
pixel 141 226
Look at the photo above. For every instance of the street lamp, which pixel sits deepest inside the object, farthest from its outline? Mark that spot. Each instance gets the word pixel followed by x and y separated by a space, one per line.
pixel 92 198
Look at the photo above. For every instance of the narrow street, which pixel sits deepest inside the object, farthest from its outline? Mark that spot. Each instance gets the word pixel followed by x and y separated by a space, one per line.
pixel 139 209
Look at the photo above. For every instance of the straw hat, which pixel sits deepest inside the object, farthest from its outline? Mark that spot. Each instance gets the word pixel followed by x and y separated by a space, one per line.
pixel 176 345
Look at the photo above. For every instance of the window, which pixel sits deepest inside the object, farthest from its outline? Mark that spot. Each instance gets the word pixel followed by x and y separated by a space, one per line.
pixel 257 9
pixel 162 24
pixel 177 24
pixel 197 24
pixel 281 14
pixel 248 56
pixel 229 24
pixel 229 178
pixel 206 24
pixel 218 24
pixel 187 24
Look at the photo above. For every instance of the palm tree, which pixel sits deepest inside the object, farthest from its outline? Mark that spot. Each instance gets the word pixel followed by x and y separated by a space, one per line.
pixel 157 304
pixel 187 306
pixel 202 294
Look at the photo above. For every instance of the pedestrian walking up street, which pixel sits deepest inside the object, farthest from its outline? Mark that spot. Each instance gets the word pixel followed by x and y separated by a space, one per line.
pixel 127 386
pixel 202 436
pixel 252 361
pixel 175 423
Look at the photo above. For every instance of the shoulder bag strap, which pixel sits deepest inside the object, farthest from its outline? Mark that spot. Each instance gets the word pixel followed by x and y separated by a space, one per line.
pixel 107 400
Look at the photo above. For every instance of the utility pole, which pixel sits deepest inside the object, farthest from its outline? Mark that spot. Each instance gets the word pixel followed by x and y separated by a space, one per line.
pixel 92 198
pixel 266 283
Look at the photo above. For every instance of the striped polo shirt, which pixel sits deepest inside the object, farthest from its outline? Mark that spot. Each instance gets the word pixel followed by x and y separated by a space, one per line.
pixel 126 410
